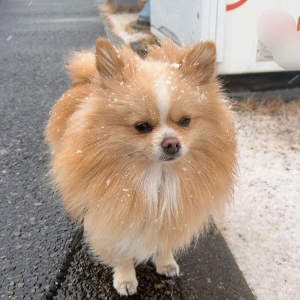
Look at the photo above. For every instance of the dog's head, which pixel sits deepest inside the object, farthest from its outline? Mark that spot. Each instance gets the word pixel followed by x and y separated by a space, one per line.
pixel 161 108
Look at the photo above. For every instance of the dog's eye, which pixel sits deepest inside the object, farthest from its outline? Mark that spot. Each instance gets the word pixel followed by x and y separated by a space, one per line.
pixel 143 127
pixel 184 122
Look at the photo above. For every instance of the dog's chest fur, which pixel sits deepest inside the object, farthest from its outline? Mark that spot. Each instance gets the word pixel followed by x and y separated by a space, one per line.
pixel 161 188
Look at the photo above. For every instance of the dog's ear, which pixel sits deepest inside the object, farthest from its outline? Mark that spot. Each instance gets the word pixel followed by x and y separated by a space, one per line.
pixel 199 63
pixel 108 62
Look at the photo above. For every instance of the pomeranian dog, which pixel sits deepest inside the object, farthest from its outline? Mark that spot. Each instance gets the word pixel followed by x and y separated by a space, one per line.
pixel 144 151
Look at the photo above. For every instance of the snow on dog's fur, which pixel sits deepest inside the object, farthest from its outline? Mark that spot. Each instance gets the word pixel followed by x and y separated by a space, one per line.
pixel 110 135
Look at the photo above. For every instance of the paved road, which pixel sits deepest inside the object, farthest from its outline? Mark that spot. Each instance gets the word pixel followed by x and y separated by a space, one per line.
pixel 35 39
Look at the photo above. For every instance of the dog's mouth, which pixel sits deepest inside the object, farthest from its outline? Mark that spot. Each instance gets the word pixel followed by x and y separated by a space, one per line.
pixel 170 158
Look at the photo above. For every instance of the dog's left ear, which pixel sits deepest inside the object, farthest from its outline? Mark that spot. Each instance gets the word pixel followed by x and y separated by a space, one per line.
pixel 108 62
pixel 199 63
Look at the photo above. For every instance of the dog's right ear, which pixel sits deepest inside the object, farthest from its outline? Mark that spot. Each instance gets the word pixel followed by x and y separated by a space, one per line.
pixel 108 62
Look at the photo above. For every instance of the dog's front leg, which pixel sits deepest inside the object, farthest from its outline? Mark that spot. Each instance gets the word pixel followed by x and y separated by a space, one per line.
pixel 165 263
pixel 125 281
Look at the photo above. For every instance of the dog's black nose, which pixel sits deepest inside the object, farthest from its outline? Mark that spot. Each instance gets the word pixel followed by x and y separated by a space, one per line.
pixel 171 145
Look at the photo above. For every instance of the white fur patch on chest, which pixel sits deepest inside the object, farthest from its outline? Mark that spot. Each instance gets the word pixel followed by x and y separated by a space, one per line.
pixel 161 188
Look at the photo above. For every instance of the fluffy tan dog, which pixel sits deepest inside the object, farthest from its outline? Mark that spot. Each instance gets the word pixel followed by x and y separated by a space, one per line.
pixel 143 151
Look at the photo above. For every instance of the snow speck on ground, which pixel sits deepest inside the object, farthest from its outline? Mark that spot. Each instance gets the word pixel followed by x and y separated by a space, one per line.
pixel 262 227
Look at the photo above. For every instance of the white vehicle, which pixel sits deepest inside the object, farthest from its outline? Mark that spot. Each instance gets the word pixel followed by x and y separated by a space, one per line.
pixel 230 24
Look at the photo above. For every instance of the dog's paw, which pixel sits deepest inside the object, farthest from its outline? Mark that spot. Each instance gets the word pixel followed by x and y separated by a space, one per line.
pixel 126 288
pixel 170 270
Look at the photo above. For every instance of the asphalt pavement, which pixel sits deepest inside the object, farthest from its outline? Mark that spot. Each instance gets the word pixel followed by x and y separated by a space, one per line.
pixel 36 38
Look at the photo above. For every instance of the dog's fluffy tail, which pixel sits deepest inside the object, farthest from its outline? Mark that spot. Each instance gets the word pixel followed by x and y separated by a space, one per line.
pixel 82 67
